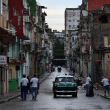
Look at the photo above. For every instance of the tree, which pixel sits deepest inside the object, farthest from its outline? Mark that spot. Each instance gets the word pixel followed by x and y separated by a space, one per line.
pixel 58 47
pixel 32 4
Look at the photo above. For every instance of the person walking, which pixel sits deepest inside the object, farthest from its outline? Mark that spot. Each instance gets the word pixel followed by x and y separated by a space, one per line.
pixel 73 71
pixel 105 81
pixel 24 82
pixel 34 88
pixel 88 81
pixel 28 85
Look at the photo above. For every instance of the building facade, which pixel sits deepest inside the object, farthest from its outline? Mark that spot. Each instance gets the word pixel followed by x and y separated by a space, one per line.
pixel 72 16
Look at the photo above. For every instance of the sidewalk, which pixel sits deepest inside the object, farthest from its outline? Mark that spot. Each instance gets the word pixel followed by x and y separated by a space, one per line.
pixel 97 92
pixel 16 93
pixel 101 93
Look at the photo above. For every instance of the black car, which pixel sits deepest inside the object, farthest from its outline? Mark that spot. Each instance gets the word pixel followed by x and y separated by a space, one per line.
pixel 59 69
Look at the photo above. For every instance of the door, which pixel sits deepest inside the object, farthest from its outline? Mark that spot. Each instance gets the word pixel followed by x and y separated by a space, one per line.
pixel 105 41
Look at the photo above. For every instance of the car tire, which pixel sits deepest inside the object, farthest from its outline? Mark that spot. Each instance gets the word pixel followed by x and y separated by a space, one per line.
pixel 72 95
pixel 75 94
pixel 54 95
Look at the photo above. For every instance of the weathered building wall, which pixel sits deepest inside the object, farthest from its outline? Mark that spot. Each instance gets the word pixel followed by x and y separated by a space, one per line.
pixel 107 71
pixel 93 4
pixel 12 82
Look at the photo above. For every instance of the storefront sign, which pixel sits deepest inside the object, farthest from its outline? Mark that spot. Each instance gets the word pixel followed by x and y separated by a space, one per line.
pixel 3 60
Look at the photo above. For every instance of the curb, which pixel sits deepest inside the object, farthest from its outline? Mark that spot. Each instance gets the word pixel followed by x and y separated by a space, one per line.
pixel 103 96
pixel 10 98
pixel 43 79
pixel 13 97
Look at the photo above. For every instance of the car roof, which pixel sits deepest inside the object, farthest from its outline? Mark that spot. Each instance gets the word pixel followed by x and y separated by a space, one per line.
pixel 64 76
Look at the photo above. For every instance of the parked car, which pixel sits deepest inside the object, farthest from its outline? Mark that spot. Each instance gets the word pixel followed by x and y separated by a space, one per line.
pixel 59 69
pixel 64 85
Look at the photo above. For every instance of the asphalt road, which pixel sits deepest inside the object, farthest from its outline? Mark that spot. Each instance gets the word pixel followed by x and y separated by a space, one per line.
pixel 46 101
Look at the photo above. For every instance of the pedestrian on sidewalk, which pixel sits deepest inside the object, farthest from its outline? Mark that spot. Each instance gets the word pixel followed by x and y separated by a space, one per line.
pixel 34 88
pixel 88 81
pixel 105 82
pixel 28 85
pixel 24 82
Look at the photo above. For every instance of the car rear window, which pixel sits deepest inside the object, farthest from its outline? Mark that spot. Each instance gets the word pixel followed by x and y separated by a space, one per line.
pixel 64 79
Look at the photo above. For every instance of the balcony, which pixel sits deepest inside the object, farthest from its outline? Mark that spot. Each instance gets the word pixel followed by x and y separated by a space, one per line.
pixel 25 12
pixel 42 37
pixel 34 46
pixel 42 48
pixel 46 40
pixel 41 30
pixel 26 46
pixel 24 37
pixel 20 59
pixel 82 37
pixel 87 47
pixel 4 34
pixel 45 54
pixel 28 25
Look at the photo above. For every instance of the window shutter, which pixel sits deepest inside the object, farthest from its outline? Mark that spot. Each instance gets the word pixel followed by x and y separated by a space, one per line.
pixel 105 41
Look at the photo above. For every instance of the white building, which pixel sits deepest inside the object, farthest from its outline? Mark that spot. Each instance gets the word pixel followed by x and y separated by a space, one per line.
pixel 72 17
pixel 59 35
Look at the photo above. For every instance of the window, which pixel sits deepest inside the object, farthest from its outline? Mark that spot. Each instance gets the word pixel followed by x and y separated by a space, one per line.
pixel 103 19
pixel 10 74
pixel 69 20
pixel 14 10
pixel 69 26
pixel 72 39
pixel 19 20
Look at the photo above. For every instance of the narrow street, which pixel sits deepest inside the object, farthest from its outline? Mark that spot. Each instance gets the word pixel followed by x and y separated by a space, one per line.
pixel 46 101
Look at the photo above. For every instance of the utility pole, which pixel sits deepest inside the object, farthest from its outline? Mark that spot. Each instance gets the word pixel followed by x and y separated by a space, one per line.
pixel 92 50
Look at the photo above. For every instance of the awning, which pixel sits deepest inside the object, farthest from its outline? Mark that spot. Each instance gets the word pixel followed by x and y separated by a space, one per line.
pixel 47 64
pixel 25 12
pixel 24 37
pixel 17 61
pixel 96 61
pixel 6 35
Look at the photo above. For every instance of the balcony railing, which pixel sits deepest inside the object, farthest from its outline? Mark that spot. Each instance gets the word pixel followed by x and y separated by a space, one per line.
pixel 87 47
pixel 82 37
pixel 6 35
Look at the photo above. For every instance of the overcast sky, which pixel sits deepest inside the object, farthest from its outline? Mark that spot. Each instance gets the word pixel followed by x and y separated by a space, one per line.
pixel 55 11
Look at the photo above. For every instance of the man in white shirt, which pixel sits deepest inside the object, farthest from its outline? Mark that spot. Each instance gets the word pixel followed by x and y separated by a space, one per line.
pixel 88 81
pixel 34 83
pixel 105 81
pixel 24 82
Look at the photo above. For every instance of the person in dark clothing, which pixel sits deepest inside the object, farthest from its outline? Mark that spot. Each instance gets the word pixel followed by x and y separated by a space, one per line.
pixel 28 85
pixel 91 92
pixel 73 71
